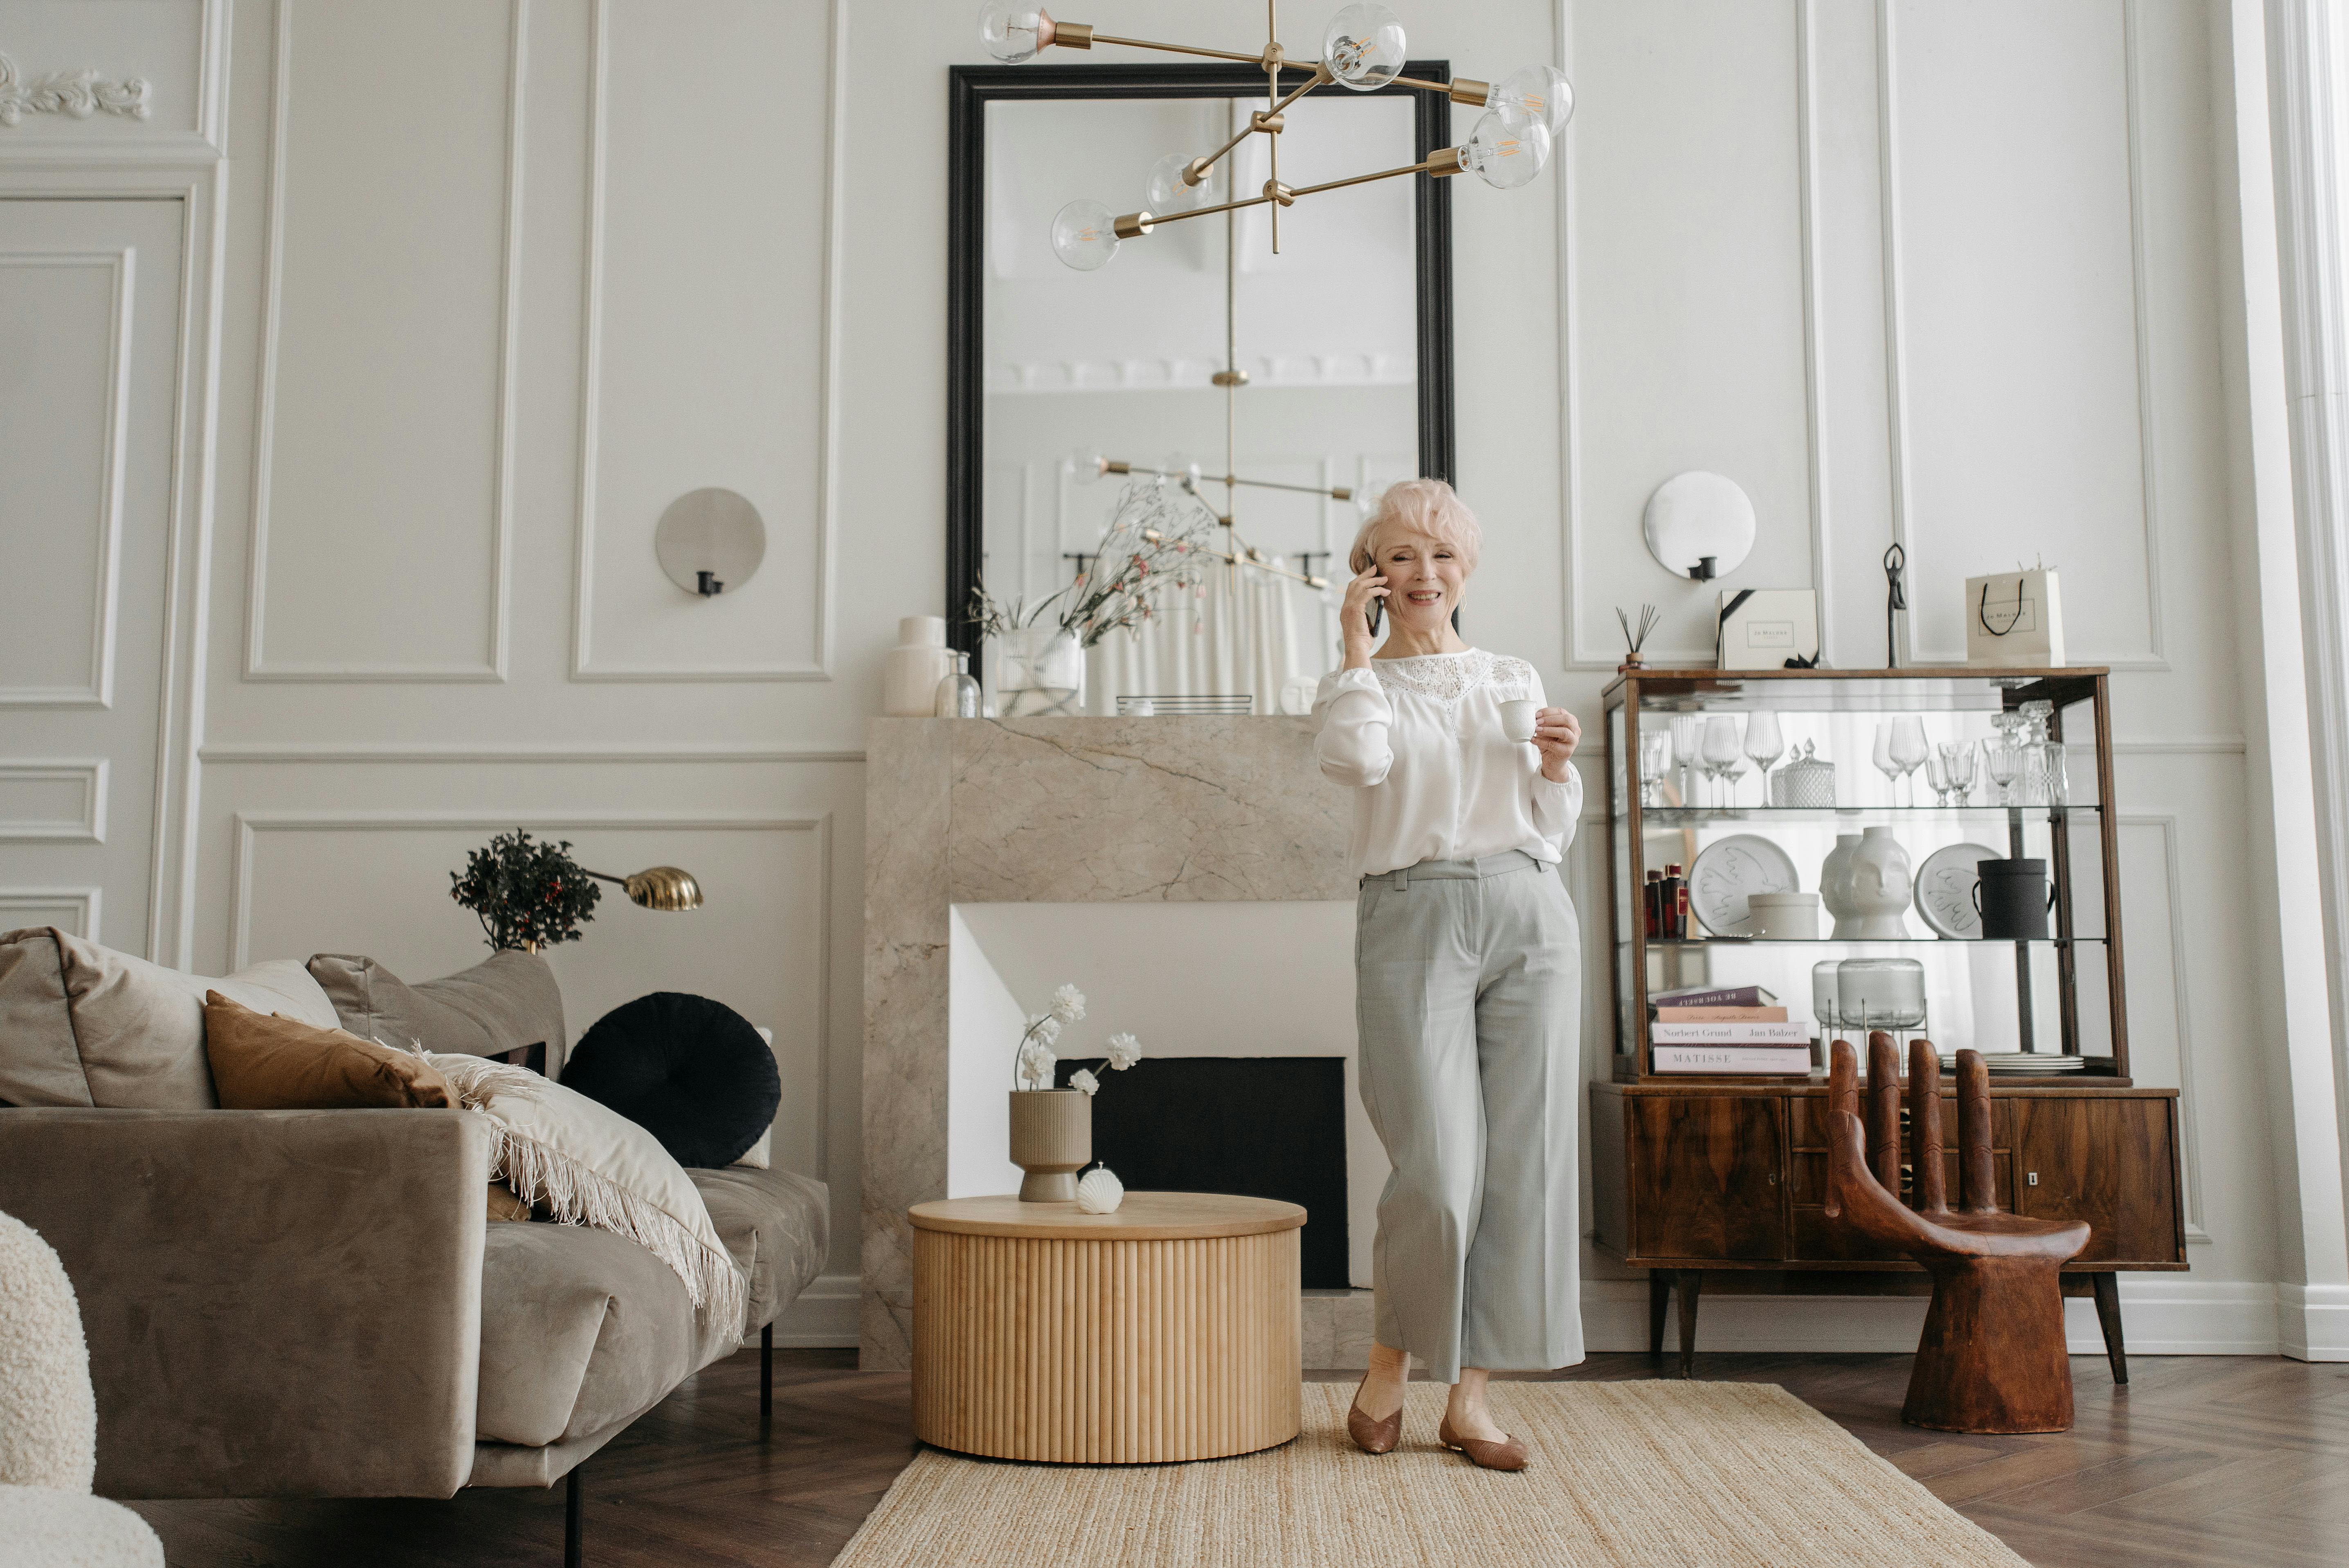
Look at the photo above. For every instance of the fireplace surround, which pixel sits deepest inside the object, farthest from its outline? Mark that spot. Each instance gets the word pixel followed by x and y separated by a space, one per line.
pixel 1054 810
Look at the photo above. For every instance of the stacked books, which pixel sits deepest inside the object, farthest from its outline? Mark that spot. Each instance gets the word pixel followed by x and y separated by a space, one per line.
pixel 1725 1029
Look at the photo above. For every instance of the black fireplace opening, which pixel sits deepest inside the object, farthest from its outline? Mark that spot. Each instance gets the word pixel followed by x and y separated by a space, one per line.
pixel 1262 1127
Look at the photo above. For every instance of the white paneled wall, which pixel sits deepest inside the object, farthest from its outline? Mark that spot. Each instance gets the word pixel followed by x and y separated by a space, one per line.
pixel 498 279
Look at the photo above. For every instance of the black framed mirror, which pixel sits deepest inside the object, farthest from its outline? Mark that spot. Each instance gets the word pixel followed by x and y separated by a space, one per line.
pixel 984 248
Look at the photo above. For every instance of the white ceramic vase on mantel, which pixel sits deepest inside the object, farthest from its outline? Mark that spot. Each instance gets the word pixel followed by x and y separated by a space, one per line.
pixel 911 671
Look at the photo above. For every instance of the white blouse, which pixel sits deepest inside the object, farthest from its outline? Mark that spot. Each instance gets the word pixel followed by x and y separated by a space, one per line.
pixel 1420 741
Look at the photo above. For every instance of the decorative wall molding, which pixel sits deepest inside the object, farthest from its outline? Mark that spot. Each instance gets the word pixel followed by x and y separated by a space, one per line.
pixel 827 476
pixel 250 825
pixel 1896 340
pixel 824 1315
pixel 681 751
pixel 98 690
pixel 133 139
pixel 2182 1007
pixel 77 93
pixel 1161 375
pixel 86 826
pixel 1577 654
pixel 20 906
pixel 257 664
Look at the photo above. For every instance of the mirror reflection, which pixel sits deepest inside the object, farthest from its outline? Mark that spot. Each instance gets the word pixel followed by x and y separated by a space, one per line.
pixel 1110 394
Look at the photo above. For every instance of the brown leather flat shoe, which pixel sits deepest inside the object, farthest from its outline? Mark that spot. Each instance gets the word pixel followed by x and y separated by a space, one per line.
pixel 1508 1454
pixel 1373 1437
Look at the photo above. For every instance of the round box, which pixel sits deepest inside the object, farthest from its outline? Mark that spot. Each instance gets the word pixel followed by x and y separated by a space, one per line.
pixel 1784 916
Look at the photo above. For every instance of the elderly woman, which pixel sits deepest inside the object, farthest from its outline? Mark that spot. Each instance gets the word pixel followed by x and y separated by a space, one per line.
pixel 1468 964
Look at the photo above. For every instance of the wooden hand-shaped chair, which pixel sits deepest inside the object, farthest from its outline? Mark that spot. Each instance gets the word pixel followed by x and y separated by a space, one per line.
pixel 1992 1357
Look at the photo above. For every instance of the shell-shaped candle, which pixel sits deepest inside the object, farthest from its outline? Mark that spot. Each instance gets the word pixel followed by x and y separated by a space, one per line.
pixel 1099 1192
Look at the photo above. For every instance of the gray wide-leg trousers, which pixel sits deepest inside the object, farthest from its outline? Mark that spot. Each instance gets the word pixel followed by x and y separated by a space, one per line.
pixel 1468 1004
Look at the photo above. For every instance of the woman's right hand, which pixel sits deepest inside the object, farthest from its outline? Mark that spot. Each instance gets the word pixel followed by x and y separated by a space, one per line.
pixel 1354 615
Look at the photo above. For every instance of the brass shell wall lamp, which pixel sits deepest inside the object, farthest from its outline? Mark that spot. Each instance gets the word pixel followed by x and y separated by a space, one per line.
pixel 657 887
pixel 1362 49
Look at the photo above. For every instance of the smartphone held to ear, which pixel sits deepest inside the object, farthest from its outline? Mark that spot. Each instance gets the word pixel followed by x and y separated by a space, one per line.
pixel 1375 613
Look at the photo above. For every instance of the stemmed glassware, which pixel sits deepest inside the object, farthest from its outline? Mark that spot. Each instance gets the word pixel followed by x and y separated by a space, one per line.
pixel 1936 774
pixel 1655 762
pixel 1688 742
pixel 1724 756
pixel 1882 757
pixel 1910 748
pixel 1958 761
pixel 1764 745
pixel 2003 758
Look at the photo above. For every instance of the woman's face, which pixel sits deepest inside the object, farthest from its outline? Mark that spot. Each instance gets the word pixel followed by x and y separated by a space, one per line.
pixel 1425 577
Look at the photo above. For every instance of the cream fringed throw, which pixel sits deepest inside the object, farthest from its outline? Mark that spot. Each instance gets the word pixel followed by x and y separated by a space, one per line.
pixel 589 1165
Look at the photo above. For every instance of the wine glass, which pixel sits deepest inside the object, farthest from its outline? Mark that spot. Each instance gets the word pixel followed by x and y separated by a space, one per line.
pixel 2003 761
pixel 1763 744
pixel 1936 774
pixel 1688 740
pixel 1958 761
pixel 1910 748
pixel 1723 755
pixel 1655 762
pixel 1882 757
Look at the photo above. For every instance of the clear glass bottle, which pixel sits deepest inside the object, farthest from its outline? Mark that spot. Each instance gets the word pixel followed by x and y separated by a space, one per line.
pixel 2048 767
pixel 958 693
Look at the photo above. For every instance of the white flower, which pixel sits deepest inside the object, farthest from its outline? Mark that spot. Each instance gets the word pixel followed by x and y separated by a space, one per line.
pixel 1048 1030
pixel 1068 1004
pixel 1084 1079
pixel 1125 1050
pixel 1035 1061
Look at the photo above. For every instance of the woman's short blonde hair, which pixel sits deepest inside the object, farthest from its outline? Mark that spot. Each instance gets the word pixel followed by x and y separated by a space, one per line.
pixel 1419 506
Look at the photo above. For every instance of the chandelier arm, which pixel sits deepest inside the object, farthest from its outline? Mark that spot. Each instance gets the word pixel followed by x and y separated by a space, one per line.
pixel 1230 559
pixel 1255 59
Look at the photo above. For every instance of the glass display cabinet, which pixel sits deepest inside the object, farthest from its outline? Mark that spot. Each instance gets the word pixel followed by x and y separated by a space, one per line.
pixel 1932 853
pixel 1754 780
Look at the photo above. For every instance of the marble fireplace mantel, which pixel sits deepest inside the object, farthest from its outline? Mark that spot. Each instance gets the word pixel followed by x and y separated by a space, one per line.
pixel 1044 810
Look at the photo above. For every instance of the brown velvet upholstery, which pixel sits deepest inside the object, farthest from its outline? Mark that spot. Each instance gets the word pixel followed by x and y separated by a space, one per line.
pixel 264 1062
pixel 276 1303
pixel 507 1002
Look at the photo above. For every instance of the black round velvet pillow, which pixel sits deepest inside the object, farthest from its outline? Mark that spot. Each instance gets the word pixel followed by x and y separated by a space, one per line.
pixel 690 1071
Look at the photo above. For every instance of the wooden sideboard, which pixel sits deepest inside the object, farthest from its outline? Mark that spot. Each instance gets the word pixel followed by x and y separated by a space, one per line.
pixel 1694 1178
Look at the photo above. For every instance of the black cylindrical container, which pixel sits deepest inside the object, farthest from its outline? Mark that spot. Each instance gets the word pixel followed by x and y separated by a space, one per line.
pixel 2013 899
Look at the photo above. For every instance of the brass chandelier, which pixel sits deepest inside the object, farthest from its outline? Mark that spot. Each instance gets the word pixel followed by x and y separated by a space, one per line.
pixel 1362 49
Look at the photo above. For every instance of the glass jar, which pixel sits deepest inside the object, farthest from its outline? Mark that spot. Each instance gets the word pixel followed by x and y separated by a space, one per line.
pixel 958 694
pixel 1880 993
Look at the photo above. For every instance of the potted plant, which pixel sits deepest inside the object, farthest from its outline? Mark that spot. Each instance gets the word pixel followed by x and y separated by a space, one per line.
pixel 1052 1128
pixel 1155 546
pixel 528 893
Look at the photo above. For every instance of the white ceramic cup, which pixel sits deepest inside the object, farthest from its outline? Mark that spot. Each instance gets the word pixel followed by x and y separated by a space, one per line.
pixel 1517 719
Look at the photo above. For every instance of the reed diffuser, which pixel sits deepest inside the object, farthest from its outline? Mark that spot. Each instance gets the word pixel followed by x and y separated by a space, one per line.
pixel 1635 639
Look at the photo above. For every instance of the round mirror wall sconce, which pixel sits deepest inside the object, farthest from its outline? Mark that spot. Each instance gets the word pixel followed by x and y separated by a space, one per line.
pixel 1699 525
pixel 709 541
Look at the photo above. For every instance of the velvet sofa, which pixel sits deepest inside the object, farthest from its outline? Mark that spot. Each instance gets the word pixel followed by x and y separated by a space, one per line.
pixel 314 1302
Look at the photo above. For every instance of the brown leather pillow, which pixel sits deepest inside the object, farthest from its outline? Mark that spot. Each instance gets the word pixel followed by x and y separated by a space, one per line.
pixel 269 1062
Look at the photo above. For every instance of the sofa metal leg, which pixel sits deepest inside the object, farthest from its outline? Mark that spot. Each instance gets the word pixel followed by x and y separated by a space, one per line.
pixel 765 1375
pixel 574 1517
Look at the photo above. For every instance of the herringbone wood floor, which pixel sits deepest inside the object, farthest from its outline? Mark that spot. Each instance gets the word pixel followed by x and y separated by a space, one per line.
pixel 2204 1461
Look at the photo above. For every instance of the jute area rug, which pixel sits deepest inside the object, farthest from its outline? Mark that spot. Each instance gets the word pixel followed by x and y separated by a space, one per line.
pixel 1673 1474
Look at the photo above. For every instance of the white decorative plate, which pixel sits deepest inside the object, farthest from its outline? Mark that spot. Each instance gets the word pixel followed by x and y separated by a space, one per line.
pixel 1945 890
pixel 1728 871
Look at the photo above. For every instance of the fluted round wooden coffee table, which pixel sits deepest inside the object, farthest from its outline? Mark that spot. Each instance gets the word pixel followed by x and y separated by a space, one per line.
pixel 1168 1330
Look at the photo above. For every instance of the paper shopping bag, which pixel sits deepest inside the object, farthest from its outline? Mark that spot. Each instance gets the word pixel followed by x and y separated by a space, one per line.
pixel 2014 619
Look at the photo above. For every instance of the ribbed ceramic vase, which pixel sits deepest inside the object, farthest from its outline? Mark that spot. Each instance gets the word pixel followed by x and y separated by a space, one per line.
pixel 1051 1139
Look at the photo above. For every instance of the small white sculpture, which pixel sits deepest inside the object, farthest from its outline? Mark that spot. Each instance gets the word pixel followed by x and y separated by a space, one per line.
pixel 1878 880
pixel 1099 1192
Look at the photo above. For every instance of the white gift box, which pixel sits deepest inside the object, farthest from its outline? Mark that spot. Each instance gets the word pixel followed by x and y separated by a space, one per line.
pixel 1762 628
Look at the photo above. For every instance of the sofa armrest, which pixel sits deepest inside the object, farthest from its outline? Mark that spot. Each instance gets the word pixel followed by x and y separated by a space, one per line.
pixel 278 1303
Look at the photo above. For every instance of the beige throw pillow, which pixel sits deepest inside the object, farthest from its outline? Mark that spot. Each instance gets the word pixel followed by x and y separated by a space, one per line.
pixel 262 1062
pixel 587 1164
pixel 84 1025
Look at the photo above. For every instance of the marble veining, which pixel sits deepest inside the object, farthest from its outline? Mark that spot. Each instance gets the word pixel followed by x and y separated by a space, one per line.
pixel 1045 811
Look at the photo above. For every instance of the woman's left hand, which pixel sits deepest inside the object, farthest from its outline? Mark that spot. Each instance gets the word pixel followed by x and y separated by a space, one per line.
pixel 1556 732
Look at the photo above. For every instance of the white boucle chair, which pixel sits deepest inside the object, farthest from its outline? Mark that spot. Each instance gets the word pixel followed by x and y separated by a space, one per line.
pixel 48 1424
